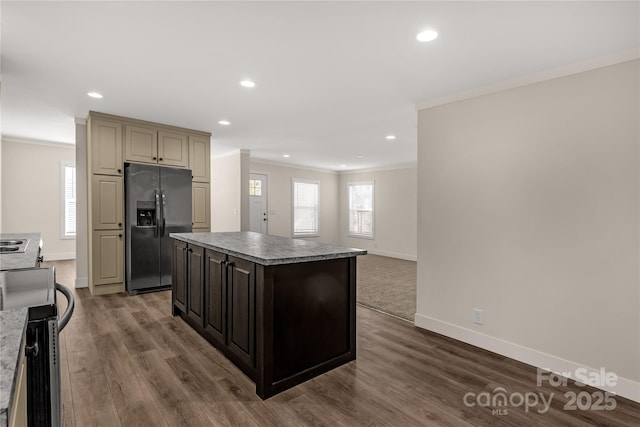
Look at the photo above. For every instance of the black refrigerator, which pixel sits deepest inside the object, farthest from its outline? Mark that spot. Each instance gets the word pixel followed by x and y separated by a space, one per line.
pixel 157 202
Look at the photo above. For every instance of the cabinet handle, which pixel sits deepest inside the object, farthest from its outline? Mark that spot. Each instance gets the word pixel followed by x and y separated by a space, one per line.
pixel 154 158
pixel 120 235
pixel 230 264
pixel 119 170
pixel 160 159
pixel 119 224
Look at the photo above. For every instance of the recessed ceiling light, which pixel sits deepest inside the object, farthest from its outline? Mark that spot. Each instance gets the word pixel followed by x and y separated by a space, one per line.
pixel 224 122
pixel 95 95
pixel 247 83
pixel 343 166
pixel 427 35
pixel 359 156
pixel 286 155
pixel 390 137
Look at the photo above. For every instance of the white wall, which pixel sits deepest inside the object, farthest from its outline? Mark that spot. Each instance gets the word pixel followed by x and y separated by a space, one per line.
pixel 31 193
pixel 279 199
pixel 528 208
pixel 230 192
pixel 395 212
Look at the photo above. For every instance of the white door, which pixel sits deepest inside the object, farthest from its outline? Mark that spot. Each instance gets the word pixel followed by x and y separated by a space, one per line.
pixel 258 203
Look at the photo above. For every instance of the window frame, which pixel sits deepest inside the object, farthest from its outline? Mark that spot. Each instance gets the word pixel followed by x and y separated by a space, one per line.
pixel 373 210
pixel 64 164
pixel 316 233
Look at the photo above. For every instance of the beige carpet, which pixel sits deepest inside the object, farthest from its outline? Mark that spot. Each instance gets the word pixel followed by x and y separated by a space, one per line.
pixel 387 284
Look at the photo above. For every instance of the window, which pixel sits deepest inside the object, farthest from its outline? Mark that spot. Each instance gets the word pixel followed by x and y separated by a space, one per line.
pixel 305 208
pixel 68 200
pixel 255 187
pixel 361 209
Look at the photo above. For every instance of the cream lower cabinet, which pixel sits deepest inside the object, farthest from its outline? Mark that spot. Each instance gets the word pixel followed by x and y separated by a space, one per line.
pixel 106 203
pixel 108 257
pixel 18 412
pixel 201 206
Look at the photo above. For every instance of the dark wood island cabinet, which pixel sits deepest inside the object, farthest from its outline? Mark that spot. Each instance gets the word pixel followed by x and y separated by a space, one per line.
pixel 282 310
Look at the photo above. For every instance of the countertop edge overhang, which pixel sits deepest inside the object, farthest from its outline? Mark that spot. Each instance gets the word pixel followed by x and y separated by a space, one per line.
pixel 265 249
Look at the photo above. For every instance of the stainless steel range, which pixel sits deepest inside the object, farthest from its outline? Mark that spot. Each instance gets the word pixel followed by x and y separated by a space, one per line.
pixel 35 288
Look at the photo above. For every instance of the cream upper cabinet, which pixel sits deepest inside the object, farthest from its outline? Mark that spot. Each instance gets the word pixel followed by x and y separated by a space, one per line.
pixel 140 144
pixel 153 146
pixel 106 147
pixel 173 149
pixel 108 257
pixel 199 158
pixel 106 202
pixel 201 205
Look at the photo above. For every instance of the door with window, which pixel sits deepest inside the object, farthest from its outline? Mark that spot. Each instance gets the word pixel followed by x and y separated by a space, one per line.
pixel 258 203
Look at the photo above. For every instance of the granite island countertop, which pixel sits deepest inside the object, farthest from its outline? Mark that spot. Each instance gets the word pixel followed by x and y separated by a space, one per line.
pixel 265 249
pixel 28 259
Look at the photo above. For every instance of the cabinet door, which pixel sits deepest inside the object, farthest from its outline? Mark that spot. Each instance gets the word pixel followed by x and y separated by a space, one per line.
pixel 200 158
pixel 106 147
pixel 106 202
pixel 195 283
pixel 140 144
pixel 108 257
pixel 201 205
pixel 179 276
pixel 18 414
pixel 173 149
pixel 215 294
pixel 241 283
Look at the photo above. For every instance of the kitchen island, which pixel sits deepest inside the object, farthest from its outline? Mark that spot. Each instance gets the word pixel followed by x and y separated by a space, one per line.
pixel 282 310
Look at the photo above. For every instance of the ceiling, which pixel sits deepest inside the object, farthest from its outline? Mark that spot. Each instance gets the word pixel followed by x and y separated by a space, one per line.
pixel 333 79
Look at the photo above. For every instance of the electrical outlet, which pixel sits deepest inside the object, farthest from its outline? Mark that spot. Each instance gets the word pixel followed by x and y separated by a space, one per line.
pixel 477 316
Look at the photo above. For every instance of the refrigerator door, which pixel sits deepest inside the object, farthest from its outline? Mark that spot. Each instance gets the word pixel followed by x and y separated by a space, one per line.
pixel 142 207
pixel 175 199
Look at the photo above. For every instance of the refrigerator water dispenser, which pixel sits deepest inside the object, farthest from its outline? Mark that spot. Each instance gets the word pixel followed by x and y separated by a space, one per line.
pixel 146 214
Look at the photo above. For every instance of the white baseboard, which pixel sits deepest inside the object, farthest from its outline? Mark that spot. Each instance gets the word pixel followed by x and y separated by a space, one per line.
pixel 58 256
pixel 82 282
pixel 624 387
pixel 393 255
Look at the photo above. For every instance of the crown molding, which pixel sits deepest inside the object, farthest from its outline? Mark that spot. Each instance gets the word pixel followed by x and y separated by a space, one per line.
pixel 580 67
pixel 382 168
pixel 56 144
pixel 290 166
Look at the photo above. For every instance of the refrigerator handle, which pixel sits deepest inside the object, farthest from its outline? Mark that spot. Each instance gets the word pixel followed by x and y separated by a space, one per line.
pixel 157 218
pixel 164 211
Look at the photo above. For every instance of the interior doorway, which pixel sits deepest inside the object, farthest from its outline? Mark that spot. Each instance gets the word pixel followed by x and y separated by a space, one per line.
pixel 258 203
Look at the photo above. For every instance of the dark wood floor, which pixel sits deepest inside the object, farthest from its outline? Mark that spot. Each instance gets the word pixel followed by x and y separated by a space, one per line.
pixel 127 362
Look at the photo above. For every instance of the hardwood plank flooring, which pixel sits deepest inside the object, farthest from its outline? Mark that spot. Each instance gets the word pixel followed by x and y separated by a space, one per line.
pixel 125 361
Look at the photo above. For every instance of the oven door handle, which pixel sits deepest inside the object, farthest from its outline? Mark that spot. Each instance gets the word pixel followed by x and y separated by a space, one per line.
pixel 66 316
